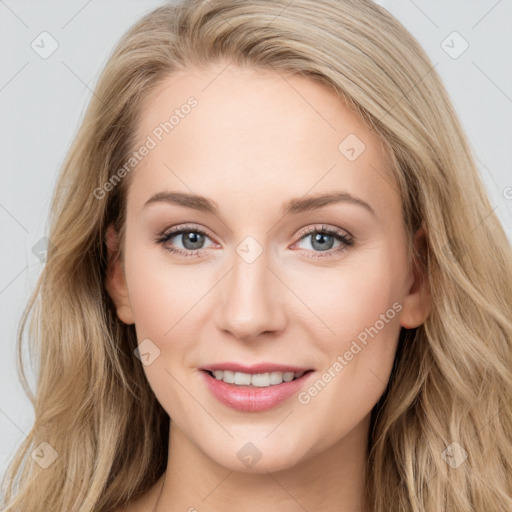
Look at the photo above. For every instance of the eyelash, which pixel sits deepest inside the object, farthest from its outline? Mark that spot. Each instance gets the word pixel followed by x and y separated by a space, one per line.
pixel 346 240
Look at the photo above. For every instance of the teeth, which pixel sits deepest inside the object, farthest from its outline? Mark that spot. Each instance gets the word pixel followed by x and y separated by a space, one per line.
pixel 260 380
pixel 242 379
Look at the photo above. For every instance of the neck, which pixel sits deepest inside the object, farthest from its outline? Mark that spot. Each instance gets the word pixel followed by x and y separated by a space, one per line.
pixel 331 480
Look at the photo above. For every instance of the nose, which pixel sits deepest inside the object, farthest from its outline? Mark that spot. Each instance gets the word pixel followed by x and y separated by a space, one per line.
pixel 251 300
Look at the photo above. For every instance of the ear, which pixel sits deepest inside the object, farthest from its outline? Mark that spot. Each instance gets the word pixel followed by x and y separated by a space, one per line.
pixel 115 281
pixel 417 304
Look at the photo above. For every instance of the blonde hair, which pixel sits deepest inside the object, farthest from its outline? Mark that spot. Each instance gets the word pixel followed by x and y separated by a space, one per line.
pixel 451 380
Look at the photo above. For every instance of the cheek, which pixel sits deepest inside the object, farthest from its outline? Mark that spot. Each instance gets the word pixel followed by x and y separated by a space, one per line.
pixel 360 304
pixel 160 292
pixel 160 299
pixel 363 298
pixel 352 296
pixel 362 311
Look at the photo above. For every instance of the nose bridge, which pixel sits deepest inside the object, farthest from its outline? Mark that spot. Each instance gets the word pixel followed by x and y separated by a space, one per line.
pixel 251 303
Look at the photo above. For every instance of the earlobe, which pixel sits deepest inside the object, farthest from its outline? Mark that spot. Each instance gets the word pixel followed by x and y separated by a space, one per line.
pixel 115 281
pixel 417 304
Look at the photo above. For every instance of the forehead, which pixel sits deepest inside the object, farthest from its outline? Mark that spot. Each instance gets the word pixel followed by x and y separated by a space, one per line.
pixel 231 130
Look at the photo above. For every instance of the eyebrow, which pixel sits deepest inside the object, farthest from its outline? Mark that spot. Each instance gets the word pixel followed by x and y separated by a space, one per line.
pixel 293 206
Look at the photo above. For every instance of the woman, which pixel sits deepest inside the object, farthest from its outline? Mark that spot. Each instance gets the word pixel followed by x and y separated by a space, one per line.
pixel 275 279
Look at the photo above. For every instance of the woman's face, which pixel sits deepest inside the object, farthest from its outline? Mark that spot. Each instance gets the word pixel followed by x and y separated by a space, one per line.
pixel 253 169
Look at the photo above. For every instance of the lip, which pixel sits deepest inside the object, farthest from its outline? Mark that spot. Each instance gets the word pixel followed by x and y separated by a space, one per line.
pixel 255 368
pixel 252 398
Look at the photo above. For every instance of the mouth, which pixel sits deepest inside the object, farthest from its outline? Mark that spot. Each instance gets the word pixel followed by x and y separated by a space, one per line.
pixel 255 391
pixel 256 380
pixel 260 375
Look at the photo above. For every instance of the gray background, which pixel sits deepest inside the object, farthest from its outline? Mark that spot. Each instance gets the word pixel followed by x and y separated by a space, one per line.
pixel 42 101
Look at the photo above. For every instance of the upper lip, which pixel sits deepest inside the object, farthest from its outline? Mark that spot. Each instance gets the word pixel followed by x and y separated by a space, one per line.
pixel 255 368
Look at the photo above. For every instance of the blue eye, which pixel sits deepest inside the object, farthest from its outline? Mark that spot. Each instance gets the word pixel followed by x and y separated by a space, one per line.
pixel 193 239
pixel 324 238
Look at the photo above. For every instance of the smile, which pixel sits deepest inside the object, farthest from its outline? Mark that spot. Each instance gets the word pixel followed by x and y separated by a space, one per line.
pixel 254 392
pixel 260 380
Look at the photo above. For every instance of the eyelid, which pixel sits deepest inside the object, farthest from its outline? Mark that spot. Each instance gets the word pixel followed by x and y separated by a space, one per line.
pixel 174 230
pixel 314 229
pixel 300 234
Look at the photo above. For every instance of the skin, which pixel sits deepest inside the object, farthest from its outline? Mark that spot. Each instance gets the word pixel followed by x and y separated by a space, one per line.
pixel 256 140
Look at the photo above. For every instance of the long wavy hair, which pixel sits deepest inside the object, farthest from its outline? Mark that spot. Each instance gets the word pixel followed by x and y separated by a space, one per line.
pixel 450 390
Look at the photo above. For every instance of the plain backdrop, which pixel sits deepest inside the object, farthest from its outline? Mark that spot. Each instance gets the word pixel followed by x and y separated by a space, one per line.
pixel 43 99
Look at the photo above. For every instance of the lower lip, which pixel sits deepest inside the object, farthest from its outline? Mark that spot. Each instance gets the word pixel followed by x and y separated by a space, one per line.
pixel 253 398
